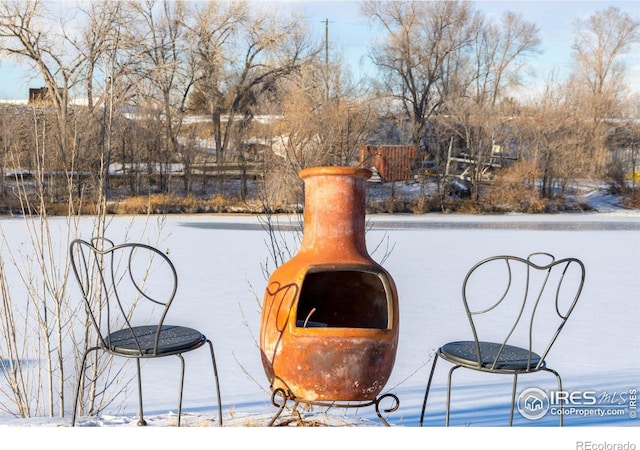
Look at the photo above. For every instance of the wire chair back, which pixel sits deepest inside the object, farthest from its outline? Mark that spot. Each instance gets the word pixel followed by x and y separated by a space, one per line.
pixel 522 302
pixel 123 286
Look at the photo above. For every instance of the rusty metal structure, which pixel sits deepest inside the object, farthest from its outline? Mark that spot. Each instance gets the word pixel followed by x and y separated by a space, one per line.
pixel 393 162
pixel 329 325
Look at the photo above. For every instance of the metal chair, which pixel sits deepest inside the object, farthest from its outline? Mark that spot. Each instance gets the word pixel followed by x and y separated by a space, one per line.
pixel 516 308
pixel 128 290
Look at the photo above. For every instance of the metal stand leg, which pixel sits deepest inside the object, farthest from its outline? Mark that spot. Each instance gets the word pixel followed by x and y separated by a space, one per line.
pixel 279 399
pixel 283 396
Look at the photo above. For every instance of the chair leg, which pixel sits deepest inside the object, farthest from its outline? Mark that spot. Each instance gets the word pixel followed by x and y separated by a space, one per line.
pixel 141 421
pixel 560 401
pixel 513 398
pixel 217 380
pixel 79 385
pixel 560 390
pixel 448 406
pixel 426 393
pixel 181 387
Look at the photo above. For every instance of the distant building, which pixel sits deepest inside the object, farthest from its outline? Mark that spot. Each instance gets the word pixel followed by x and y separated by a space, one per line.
pixel 39 96
pixel 392 162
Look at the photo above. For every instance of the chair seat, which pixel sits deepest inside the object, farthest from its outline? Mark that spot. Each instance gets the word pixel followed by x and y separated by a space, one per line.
pixel 511 358
pixel 173 339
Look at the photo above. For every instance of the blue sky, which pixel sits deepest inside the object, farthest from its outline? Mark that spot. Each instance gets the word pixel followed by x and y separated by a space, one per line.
pixel 350 33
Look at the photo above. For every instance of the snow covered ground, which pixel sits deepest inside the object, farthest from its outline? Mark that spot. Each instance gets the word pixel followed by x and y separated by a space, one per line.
pixel 220 260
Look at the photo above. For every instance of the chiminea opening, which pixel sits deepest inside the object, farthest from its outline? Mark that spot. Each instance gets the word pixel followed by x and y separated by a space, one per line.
pixel 343 298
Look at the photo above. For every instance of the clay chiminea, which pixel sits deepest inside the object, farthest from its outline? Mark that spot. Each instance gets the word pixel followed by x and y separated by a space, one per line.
pixel 329 325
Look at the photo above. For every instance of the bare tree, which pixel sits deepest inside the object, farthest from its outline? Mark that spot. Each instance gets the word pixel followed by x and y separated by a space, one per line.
pixel 213 31
pixel 500 54
pixel 30 33
pixel 421 41
pixel 107 81
pixel 485 76
pixel 548 134
pixel 242 53
pixel 600 42
pixel 100 34
pixel 623 141
pixel 161 53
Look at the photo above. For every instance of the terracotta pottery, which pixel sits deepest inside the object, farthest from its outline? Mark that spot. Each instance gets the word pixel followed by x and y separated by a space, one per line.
pixel 329 325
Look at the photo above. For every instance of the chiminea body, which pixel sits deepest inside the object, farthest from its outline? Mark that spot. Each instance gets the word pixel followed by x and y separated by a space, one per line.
pixel 329 325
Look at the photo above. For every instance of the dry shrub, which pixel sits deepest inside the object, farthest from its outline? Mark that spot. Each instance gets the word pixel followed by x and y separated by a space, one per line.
pixel 31 205
pixel 282 190
pixel 215 203
pixel 135 205
pixel 172 204
pixel 153 204
pixel 422 205
pixel 432 203
pixel 513 190
pixel 467 206
pixel 63 208
pixel 632 199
